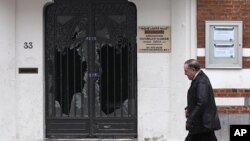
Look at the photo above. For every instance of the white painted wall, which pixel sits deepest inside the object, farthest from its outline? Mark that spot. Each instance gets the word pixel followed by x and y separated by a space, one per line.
pixel 230 101
pixel 183 47
pixel 224 78
pixel 29 87
pixel 161 82
pixel 153 75
pixel 7 70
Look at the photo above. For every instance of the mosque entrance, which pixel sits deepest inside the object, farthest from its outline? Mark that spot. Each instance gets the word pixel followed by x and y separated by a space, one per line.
pixel 90 69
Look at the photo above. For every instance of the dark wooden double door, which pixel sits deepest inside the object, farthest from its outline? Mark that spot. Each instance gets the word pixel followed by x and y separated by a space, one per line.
pixel 90 69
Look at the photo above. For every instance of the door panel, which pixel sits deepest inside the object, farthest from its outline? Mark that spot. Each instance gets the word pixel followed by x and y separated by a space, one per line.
pixel 90 70
pixel 115 60
pixel 66 74
pixel 67 61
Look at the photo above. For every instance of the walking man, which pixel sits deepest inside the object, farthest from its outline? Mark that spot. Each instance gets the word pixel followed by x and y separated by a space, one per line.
pixel 201 111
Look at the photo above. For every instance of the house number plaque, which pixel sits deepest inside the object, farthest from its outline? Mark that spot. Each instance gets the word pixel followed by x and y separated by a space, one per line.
pixel 28 45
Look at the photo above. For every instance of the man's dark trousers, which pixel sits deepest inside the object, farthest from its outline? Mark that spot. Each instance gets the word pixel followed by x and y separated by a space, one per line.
pixel 206 136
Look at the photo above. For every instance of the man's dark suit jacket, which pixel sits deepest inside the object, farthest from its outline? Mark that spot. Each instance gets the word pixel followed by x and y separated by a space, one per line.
pixel 201 107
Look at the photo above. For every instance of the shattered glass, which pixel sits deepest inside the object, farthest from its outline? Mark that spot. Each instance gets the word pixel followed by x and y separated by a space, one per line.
pixel 111 66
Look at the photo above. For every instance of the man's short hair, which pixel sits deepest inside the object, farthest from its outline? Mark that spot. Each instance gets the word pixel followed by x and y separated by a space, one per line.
pixel 192 63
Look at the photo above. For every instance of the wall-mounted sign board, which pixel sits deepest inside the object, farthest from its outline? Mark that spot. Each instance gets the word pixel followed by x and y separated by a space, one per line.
pixel 223 44
pixel 154 39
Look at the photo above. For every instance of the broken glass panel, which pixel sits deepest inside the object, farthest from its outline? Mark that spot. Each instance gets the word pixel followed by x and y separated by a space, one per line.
pixel 112 53
pixel 71 66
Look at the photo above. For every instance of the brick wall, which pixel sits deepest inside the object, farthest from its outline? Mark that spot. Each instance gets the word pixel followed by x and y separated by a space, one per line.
pixel 229 10
pixel 233 93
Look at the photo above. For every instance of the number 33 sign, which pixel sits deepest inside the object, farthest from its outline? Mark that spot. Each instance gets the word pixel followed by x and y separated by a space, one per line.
pixel 28 45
